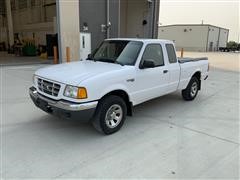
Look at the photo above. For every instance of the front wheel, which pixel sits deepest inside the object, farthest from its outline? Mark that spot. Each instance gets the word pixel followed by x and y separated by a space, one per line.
pixel 110 114
pixel 191 91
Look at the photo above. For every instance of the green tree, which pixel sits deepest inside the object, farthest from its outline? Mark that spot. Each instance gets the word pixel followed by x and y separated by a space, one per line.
pixel 232 45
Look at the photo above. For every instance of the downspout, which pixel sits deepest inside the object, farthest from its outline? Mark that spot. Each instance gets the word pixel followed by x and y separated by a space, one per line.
pixel 156 18
pixel 153 18
pixel 119 18
pixel 59 33
pixel 107 24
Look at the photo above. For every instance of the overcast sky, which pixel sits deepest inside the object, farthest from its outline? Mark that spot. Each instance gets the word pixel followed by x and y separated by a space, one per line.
pixel 223 13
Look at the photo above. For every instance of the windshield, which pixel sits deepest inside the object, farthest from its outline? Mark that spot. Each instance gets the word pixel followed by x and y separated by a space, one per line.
pixel 116 51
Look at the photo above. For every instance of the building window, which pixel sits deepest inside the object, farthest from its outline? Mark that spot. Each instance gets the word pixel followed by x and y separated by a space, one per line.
pixel 22 4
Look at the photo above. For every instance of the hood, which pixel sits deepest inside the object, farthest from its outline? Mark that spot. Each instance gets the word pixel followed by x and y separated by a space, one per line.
pixel 75 72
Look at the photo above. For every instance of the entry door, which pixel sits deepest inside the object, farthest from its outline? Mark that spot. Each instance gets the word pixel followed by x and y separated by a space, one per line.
pixel 85 45
pixel 151 82
pixel 211 46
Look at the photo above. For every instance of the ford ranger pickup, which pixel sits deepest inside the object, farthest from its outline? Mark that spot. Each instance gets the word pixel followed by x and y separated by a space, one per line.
pixel 118 75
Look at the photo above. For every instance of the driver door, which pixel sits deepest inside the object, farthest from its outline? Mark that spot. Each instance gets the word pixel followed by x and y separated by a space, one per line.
pixel 151 82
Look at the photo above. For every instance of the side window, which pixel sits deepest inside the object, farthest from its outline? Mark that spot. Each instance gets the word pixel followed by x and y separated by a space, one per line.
pixel 154 52
pixel 171 53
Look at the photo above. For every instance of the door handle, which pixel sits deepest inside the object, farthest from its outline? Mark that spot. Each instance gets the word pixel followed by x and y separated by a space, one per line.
pixel 165 71
pixel 131 80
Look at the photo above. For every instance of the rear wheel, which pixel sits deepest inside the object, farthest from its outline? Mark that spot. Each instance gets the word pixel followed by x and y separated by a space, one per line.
pixel 110 114
pixel 191 91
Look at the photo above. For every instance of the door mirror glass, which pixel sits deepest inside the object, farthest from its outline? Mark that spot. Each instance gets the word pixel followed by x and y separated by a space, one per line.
pixel 148 63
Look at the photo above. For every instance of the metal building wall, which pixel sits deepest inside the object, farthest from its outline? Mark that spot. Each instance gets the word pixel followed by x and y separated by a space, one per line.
pixel 223 37
pixel 114 18
pixel 139 18
pixel 3 23
pixel 213 35
pixel 218 37
pixel 126 17
pixel 189 37
pixel 92 16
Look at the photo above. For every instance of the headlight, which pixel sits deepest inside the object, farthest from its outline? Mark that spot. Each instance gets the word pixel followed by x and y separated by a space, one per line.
pixel 75 92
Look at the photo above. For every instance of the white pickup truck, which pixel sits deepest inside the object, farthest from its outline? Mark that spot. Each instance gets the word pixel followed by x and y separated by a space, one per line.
pixel 117 76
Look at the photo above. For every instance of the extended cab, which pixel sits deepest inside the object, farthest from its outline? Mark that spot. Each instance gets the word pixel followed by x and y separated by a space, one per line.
pixel 117 76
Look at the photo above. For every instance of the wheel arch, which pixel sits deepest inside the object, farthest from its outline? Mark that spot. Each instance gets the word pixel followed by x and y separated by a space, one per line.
pixel 197 74
pixel 124 95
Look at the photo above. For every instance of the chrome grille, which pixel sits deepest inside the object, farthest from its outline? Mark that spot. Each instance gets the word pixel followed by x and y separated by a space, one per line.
pixel 48 87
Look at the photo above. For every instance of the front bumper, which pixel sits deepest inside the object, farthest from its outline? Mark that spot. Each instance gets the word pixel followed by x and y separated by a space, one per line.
pixel 61 108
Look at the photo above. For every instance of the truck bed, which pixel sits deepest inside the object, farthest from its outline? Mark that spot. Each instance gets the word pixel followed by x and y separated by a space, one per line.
pixel 188 59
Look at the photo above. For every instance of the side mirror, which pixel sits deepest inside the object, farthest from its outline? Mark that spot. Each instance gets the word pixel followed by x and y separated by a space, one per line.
pixel 148 63
pixel 89 56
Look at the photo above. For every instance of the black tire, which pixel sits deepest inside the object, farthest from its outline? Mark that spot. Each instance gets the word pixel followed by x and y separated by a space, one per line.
pixel 105 107
pixel 187 93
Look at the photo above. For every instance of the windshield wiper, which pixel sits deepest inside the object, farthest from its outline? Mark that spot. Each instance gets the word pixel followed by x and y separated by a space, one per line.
pixel 109 61
pixel 117 62
pixel 91 59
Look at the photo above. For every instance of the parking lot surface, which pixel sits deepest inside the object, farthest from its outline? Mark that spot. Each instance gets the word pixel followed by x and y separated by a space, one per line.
pixel 166 138
pixel 11 60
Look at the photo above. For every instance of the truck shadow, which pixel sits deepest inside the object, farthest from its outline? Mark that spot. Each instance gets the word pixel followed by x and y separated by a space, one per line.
pixel 53 124
pixel 166 100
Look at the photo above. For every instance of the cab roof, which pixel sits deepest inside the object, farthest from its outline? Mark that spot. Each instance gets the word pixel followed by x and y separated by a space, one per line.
pixel 140 40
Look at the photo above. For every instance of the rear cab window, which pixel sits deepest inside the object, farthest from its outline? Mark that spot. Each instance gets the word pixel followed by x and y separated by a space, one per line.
pixel 171 53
